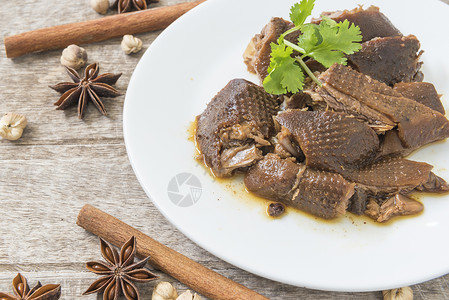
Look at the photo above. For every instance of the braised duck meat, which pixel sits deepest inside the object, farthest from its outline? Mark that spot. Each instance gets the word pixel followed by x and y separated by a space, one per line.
pixel 338 144
pixel 273 177
pixel 287 146
pixel 391 145
pixel 235 126
pixel 358 201
pixel 328 97
pixel 434 184
pixel 320 193
pixel 257 53
pixel 329 195
pixel 330 141
pixel 398 205
pixel 347 90
pixel 389 59
pixel 389 176
pixel 422 92
pixel 371 21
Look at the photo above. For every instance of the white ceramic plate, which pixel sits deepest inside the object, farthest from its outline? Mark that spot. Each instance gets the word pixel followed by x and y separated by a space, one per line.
pixel 184 68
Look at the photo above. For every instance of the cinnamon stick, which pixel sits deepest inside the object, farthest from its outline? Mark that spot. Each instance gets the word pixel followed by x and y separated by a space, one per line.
pixel 61 36
pixel 187 271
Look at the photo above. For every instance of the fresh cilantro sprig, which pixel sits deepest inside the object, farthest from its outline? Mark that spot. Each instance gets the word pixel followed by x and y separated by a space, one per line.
pixel 327 42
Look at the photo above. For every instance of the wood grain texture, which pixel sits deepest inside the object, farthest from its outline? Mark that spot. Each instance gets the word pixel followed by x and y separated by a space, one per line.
pixel 62 163
pixel 117 25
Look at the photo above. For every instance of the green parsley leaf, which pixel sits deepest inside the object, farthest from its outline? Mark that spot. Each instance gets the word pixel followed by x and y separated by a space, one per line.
pixel 337 39
pixel 327 42
pixel 284 75
pixel 310 37
pixel 300 11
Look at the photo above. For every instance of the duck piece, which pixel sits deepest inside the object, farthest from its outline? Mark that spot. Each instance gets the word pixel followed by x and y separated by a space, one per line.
pixel 357 203
pixel 345 89
pixel 389 59
pixel 434 184
pixel 398 205
pixel 274 178
pixel 322 194
pixel 371 21
pixel 389 176
pixel 235 126
pixel 422 92
pixel 257 53
pixel 391 145
pixel 298 100
pixel 286 142
pixel 331 141
pixel 328 97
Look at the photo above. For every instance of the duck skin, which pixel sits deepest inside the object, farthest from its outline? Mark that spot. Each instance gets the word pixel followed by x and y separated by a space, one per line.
pixel 389 59
pixel 257 53
pixel 422 92
pixel 330 141
pixel 235 126
pixel 371 21
pixel 348 90
pixel 319 193
pixel 389 176
pixel 336 142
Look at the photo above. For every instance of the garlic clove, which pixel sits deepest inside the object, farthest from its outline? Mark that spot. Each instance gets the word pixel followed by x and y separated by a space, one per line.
pixel 187 295
pixel 131 44
pixel 164 291
pixel 12 125
pixel 14 120
pixel 100 6
pixel 11 134
pixel 196 297
pixel 74 57
pixel 404 293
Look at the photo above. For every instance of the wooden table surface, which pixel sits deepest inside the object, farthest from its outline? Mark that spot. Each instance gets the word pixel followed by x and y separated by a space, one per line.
pixel 62 163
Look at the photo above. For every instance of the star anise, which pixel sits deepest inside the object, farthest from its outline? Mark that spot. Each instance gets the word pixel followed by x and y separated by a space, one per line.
pixel 119 272
pixel 129 5
pixel 22 290
pixel 91 87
